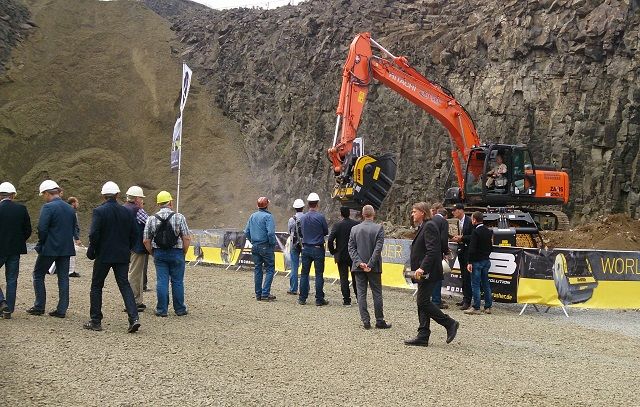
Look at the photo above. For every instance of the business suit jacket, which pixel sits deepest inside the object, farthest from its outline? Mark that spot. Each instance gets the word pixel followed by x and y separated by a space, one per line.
pixel 339 240
pixel 443 228
pixel 466 231
pixel 365 246
pixel 426 251
pixel 15 228
pixel 56 227
pixel 113 233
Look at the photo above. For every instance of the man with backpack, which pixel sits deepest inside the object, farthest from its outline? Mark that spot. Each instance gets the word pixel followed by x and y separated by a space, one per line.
pixel 295 232
pixel 166 236
pixel 261 232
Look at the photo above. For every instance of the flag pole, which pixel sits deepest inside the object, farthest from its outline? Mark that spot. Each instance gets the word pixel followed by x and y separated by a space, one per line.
pixel 179 167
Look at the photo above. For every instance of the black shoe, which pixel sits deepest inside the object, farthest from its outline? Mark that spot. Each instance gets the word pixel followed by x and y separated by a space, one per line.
pixel 292 292
pixel 321 303
pixel 183 313
pixel 3 306
pixel 366 325
pixel 268 298
pixel 442 305
pixel 74 274
pixel 160 315
pixel 146 289
pixel 56 314
pixel 452 331
pixel 134 326
pixel 6 315
pixel 383 325
pixel 464 306
pixel 35 311
pixel 417 342
pixel 141 307
pixel 92 326
pixel 459 303
pixel 258 298
pixel 302 302
pixel 346 303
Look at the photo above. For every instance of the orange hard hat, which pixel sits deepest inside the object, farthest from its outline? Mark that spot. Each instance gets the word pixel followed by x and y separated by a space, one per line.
pixel 263 202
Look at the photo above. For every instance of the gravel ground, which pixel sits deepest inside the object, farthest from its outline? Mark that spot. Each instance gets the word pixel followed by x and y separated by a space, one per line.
pixel 232 350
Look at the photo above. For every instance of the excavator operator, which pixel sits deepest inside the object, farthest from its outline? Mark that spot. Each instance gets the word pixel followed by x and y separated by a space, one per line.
pixel 497 178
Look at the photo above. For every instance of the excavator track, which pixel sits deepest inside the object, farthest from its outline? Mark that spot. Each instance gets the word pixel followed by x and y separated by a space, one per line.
pixel 560 220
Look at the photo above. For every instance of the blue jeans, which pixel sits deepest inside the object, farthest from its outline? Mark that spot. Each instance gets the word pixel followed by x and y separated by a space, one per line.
pixel 316 255
pixel 263 255
pixel 11 269
pixel 436 296
pixel 295 264
pixel 169 266
pixel 41 269
pixel 480 277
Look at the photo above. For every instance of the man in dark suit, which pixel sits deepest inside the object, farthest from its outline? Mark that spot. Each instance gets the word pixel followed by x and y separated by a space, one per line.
pixel 338 246
pixel 56 228
pixel 365 248
pixel 439 217
pixel 111 238
pixel 16 229
pixel 426 262
pixel 463 238
pixel 480 248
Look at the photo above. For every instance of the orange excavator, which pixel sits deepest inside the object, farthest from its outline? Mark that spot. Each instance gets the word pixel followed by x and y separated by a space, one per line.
pixel 488 175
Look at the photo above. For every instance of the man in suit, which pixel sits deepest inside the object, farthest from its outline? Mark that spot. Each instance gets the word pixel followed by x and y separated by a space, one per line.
pixel 111 237
pixel 439 216
pixel 338 246
pixel 56 228
pixel 426 261
pixel 463 238
pixel 16 229
pixel 365 248
pixel 480 248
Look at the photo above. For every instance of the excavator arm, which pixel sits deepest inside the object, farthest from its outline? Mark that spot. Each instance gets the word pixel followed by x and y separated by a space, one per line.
pixel 360 69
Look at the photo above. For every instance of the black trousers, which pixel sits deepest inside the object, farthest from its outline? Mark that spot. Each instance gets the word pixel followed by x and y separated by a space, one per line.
pixel 121 273
pixel 466 277
pixel 343 269
pixel 428 310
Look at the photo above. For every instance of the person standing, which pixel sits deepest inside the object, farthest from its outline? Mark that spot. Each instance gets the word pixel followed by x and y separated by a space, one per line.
pixel 338 244
pixel 365 248
pixel 73 201
pixel 261 232
pixel 167 237
pixel 480 248
pixel 56 228
pixel 139 256
pixel 16 229
pixel 463 238
pixel 314 229
pixel 295 232
pixel 111 236
pixel 439 217
pixel 426 262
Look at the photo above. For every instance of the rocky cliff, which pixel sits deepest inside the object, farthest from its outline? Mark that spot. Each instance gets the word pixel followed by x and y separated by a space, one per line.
pixel 14 26
pixel 561 76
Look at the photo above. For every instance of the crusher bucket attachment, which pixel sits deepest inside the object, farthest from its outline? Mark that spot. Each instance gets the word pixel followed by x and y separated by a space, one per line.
pixel 368 181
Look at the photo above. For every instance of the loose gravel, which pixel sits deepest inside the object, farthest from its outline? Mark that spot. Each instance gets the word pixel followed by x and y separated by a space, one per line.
pixel 233 350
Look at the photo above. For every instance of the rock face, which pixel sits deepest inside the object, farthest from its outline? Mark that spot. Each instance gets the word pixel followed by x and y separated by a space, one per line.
pixel 14 26
pixel 561 76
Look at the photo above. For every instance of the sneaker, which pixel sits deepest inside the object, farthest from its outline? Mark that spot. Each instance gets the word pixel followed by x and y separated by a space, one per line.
pixel 160 315
pixel 134 326
pixel 321 303
pixel 183 313
pixel 56 314
pixel 472 311
pixel 6 315
pixel 3 306
pixel 92 326
pixel 35 311
pixel 74 274
pixel 302 302
pixel 487 310
pixel 292 292
pixel 141 307
pixel 269 298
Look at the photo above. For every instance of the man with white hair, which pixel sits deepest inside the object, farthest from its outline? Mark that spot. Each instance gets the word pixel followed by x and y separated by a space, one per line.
pixel 16 229
pixel 365 249
pixel 56 228
pixel 139 255
pixel 111 238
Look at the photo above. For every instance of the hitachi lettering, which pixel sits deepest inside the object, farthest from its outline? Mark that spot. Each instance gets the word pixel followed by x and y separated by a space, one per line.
pixel 619 265
pixel 402 82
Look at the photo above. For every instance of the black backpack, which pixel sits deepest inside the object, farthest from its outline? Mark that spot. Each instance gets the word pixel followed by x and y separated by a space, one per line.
pixel 296 238
pixel 165 237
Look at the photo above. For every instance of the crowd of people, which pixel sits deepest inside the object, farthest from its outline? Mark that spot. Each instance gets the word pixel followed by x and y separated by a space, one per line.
pixel 357 249
pixel 121 237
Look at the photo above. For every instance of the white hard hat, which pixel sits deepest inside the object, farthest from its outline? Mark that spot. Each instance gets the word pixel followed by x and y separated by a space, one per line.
pixel 7 188
pixel 110 188
pixel 298 203
pixel 48 185
pixel 135 191
pixel 313 197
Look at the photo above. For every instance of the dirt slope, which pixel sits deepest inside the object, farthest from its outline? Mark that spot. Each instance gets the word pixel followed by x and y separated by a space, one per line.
pixel 93 95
